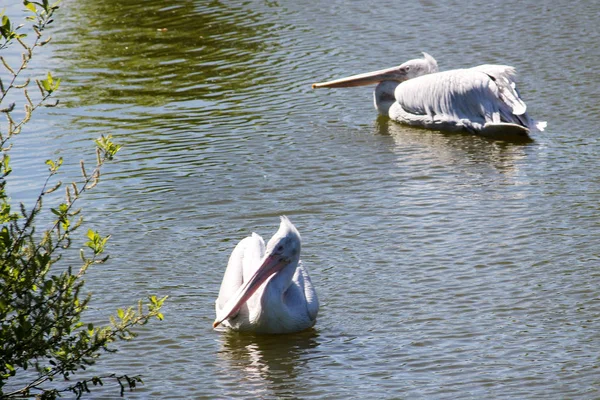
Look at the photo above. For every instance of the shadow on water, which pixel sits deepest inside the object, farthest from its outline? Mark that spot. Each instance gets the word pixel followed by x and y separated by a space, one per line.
pixel 450 148
pixel 386 126
pixel 271 361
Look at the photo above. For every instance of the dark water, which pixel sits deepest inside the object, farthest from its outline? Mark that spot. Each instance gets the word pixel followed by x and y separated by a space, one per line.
pixel 448 266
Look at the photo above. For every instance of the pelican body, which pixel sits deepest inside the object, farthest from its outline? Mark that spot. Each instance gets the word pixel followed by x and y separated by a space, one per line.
pixel 481 100
pixel 266 289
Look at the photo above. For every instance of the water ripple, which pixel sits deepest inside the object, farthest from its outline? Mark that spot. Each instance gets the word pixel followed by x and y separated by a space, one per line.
pixel 447 265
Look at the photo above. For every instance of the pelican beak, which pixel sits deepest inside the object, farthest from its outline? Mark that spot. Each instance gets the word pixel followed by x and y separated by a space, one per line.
pixel 271 265
pixel 369 78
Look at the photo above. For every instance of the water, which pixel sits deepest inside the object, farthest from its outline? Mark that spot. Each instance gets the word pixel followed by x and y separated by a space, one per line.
pixel 448 266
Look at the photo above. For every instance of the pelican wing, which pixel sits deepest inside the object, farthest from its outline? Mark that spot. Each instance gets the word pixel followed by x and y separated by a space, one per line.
pixel 243 262
pixel 304 292
pixel 515 110
pixel 461 98
pixel 444 100
pixel 503 76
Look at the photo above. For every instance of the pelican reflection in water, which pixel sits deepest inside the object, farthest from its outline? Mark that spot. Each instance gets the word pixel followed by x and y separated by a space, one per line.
pixel 272 364
pixel 482 100
pixel 266 289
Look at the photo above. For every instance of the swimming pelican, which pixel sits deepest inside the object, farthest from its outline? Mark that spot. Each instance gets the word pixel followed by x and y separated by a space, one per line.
pixel 482 100
pixel 267 289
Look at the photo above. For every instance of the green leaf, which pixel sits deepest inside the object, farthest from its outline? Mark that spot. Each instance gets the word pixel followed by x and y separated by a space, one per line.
pixel 91 234
pixel 46 85
pixel 107 146
pixel 30 6
pixel 6 165
pixel 120 313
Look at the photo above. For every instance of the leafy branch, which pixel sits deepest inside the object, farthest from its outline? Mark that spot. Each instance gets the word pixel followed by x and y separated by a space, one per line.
pixel 40 307
pixel 95 339
pixel 42 17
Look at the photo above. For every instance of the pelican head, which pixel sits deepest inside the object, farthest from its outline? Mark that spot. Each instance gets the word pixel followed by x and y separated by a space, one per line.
pixel 286 243
pixel 408 70
pixel 282 250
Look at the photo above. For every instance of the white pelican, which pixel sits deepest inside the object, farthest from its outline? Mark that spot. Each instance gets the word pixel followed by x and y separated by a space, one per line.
pixel 481 100
pixel 267 290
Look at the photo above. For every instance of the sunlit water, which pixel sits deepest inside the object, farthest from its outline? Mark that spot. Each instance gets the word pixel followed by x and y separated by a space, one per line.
pixel 448 266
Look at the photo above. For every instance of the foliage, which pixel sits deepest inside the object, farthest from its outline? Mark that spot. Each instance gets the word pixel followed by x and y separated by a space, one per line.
pixel 41 300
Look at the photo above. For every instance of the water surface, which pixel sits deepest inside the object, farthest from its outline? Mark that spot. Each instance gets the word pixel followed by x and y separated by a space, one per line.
pixel 447 265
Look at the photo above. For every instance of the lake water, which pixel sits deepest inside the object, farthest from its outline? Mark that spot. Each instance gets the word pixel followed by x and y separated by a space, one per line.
pixel 447 266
